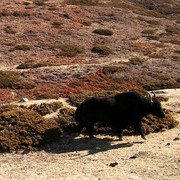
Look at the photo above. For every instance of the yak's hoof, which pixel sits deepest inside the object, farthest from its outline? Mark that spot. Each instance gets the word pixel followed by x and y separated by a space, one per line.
pixel 143 137
pixel 91 137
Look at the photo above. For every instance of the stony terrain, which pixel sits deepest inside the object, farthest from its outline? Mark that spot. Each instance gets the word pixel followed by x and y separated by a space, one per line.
pixel 56 50
pixel 104 157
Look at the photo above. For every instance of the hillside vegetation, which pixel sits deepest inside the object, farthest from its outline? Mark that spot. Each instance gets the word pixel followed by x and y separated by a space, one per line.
pixel 76 49
pixel 61 48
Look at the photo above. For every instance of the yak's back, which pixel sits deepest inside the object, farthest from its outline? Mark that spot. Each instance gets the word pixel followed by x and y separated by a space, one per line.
pixel 129 101
pixel 129 96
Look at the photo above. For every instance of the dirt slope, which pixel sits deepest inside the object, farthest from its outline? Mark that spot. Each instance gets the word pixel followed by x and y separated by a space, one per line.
pixel 104 157
pixel 48 46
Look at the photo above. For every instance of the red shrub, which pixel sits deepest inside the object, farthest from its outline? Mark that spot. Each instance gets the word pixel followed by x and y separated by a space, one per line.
pixel 5 96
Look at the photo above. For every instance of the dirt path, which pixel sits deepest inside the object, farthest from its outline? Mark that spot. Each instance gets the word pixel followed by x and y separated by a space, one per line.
pixel 103 158
pixel 48 101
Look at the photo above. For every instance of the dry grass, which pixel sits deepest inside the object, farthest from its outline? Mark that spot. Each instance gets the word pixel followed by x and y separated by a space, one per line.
pixel 115 69
pixel 162 84
pixel 20 14
pixel 105 32
pixel 4 13
pixel 149 31
pixel 136 60
pixel 102 50
pixel 150 123
pixel 34 64
pixel 135 8
pixel 173 29
pixel 13 80
pixel 153 124
pixel 79 76
pixel 21 47
pixel 69 50
pixel 57 24
pixel 10 30
pixel 40 2
pixel 45 108
pixel 25 129
pixel 66 120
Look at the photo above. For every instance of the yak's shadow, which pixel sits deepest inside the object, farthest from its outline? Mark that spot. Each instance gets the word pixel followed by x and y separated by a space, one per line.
pixel 92 146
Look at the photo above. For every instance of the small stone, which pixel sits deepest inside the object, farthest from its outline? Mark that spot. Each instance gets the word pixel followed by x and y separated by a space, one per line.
pixel 23 100
pixel 113 164
pixel 134 156
pixel 168 144
pixel 175 139
pixel 98 148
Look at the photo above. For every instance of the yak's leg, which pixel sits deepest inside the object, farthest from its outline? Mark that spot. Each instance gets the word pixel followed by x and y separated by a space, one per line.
pixel 90 132
pixel 80 127
pixel 140 129
pixel 90 128
pixel 118 130
pixel 120 134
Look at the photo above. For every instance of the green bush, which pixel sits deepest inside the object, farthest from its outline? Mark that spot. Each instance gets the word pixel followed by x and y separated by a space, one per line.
pixel 13 80
pixel 175 41
pixel 161 84
pixel 69 50
pixel 46 108
pixel 28 65
pixel 149 31
pixel 57 24
pixel 153 124
pixel 114 69
pixel 173 29
pixel 150 123
pixel 9 79
pixel 22 47
pixel 25 129
pixel 20 14
pixel 87 23
pixel 4 12
pixel 136 60
pixel 105 32
pixel 153 22
pixel 82 2
pixel 9 30
pixel 39 2
pixel 102 50
pixel 66 120
pixel 135 8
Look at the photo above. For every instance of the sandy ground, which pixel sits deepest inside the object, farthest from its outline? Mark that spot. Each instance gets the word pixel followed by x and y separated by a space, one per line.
pixel 158 157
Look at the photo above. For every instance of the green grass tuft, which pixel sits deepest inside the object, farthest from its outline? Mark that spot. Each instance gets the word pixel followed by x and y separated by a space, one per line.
pixel 25 129
pixel 105 32
pixel 102 50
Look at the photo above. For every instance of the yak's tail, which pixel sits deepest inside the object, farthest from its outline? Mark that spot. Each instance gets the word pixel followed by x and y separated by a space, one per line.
pixel 78 114
pixel 78 118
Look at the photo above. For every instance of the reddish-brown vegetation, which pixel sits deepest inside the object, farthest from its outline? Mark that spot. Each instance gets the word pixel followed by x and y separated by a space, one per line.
pixel 47 48
pixel 24 129
pixel 6 96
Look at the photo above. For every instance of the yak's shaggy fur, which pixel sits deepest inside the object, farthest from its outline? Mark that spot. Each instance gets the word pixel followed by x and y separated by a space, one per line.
pixel 118 112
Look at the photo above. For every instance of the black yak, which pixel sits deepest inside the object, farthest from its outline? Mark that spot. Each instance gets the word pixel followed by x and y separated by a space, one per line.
pixel 118 112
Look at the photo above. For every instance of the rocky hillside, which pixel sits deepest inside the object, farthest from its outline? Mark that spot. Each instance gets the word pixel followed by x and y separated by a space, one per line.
pixel 55 48
pixel 166 7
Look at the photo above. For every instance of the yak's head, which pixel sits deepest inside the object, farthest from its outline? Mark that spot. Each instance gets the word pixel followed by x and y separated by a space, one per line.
pixel 156 108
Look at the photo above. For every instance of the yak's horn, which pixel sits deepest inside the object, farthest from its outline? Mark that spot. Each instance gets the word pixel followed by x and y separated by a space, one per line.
pixel 153 94
pixel 150 96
